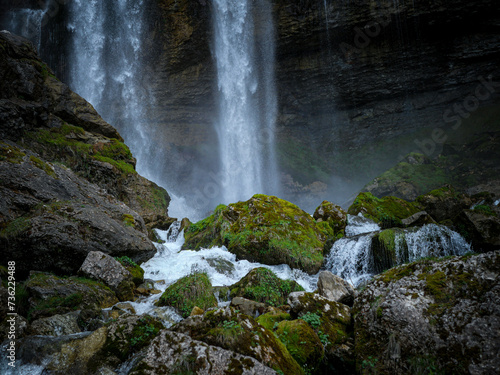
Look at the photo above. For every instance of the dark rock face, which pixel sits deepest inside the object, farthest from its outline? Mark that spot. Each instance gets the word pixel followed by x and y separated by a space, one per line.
pixel 441 314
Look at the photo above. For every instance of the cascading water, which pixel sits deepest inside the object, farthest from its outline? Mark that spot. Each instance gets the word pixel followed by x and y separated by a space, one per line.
pixel 107 66
pixel 27 22
pixel 352 257
pixel 247 102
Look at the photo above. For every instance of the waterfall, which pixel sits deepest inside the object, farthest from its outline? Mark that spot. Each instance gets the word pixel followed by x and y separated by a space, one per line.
pixel 244 53
pixel 107 66
pixel 28 23
pixel 353 258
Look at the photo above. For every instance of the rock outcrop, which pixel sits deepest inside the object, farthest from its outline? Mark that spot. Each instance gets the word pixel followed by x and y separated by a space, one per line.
pixel 440 314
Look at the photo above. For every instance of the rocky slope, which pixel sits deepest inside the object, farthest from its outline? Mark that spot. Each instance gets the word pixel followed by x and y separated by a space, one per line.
pixel 68 183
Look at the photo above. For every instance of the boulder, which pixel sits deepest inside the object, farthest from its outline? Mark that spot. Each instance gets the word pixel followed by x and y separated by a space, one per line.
pixel 417 220
pixel 240 333
pixel 333 215
pixel 263 229
pixel 135 270
pixel 262 285
pixel 50 295
pixel 332 323
pixel 104 268
pixel 56 325
pixel 175 353
pixel 335 288
pixel 444 203
pixel 188 292
pixel 480 227
pixel 439 314
pixel 387 211
pixel 272 317
pixel 248 307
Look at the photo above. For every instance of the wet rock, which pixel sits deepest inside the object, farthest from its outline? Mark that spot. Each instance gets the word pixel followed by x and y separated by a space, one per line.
pixel 196 311
pixel 238 332
pixel 248 307
pixel 481 228
pixel 21 327
pixel 125 307
pixel 335 288
pixel 332 214
pixel 444 203
pixel 50 295
pixel 262 285
pixel 56 325
pixel 417 220
pixel 172 353
pixel 104 268
pixel 437 314
pixel 263 229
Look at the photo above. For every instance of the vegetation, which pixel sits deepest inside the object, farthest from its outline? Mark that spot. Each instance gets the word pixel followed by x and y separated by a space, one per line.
pixel 262 285
pixel 135 270
pixel 188 292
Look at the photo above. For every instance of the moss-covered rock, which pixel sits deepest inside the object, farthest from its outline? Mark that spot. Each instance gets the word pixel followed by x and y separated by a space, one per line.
pixel 272 318
pixel 303 343
pixel 431 314
pixel 385 245
pixel 263 229
pixel 262 285
pixel 135 270
pixel 50 295
pixel 238 332
pixel 444 203
pixel 332 323
pixel 333 215
pixel 126 336
pixel 188 292
pixel 387 211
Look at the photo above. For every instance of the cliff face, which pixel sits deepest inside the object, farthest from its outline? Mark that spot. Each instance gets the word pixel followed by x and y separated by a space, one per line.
pixel 68 184
pixel 358 82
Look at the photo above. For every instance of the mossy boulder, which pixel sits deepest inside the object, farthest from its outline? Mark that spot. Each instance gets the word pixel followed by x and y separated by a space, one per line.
pixel 481 227
pixel 50 295
pixel 135 270
pixel 333 215
pixel 240 333
pixel 188 292
pixel 444 203
pixel 263 229
pixel 387 211
pixel 303 343
pixel 262 285
pixel 272 318
pixel 389 248
pixel 431 314
pixel 126 336
pixel 332 323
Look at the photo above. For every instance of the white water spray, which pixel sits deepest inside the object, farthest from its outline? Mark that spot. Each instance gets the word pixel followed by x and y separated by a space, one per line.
pixel 247 103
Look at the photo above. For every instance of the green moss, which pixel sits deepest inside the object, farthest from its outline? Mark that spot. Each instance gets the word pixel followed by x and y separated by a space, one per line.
pixel 135 270
pixel 387 211
pixel 302 342
pixel 262 285
pixel 53 304
pixel 43 166
pixel 270 320
pixel 188 292
pixel 10 153
pixel 128 220
pixel 263 229
pixel 389 248
pixel 485 210
pixel 16 227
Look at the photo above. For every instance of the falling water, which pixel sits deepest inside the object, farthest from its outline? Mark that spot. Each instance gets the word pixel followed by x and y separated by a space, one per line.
pixel 244 52
pixel 107 66
pixel 28 23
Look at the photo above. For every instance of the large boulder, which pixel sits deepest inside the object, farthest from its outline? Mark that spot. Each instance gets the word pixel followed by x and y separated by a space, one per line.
pixel 335 288
pixel 50 295
pixel 51 218
pixel 238 332
pixel 431 314
pixel 263 229
pixel 262 285
pixel 104 268
pixel 56 325
pixel 175 353
pixel 481 227
pixel 333 215
pixel 188 292
pixel 388 211
pixel 444 203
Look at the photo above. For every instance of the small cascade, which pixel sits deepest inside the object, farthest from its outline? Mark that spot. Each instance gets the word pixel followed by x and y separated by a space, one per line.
pixel 356 259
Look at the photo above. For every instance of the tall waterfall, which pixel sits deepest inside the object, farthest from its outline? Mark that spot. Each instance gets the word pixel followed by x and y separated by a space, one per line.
pixel 106 63
pixel 244 52
pixel 26 22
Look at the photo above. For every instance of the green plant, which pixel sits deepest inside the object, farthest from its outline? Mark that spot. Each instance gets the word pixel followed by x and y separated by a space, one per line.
pixel 125 260
pixel 312 319
pixel 324 338
pixel 369 363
